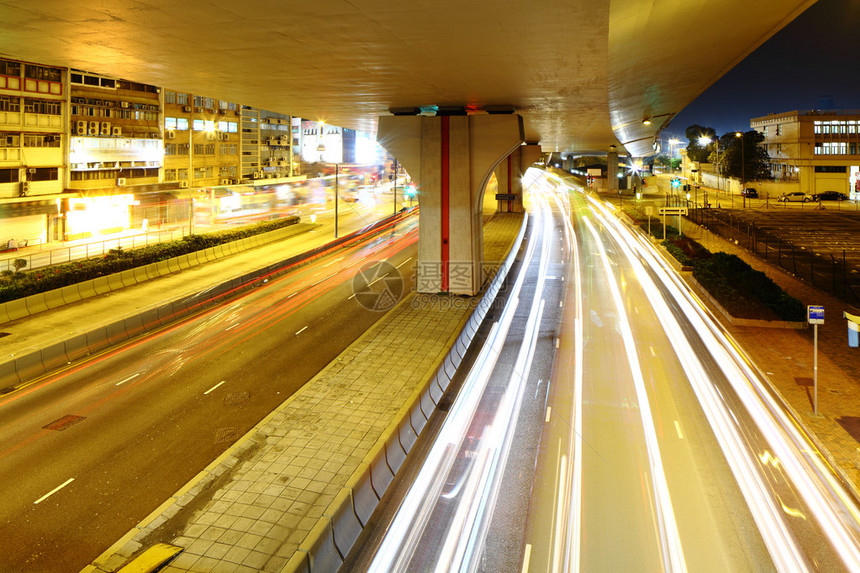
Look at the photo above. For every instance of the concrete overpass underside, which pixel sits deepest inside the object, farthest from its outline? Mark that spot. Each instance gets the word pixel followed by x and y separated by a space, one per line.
pixel 455 87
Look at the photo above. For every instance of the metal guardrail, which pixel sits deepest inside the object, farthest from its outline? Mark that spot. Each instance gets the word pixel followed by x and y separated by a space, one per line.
pixel 47 257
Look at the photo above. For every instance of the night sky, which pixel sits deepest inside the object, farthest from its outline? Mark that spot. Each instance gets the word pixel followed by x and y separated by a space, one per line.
pixel 815 57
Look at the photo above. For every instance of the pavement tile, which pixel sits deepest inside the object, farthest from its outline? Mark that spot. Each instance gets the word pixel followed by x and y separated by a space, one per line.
pixel 219 550
pixel 236 554
pixel 231 536
pixel 249 540
pixel 211 533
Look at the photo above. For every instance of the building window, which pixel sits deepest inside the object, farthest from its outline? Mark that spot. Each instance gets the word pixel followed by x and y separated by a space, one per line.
pixel 42 106
pixel 10 140
pixel 831 169
pixel 42 174
pixel 169 123
pixel 170 174
pixel 42 73
pixel 198 125
pixel 8 68
pixel 182 123
pixel 10 103
pixel 198 101
pixel 209 125
pixel 169 97
pixel 9 175
pixel 209 103
pixel 228 149
pixel 182 99
pixel 39 140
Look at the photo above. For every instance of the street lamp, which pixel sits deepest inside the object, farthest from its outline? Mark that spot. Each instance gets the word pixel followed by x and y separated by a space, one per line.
pixel 743 168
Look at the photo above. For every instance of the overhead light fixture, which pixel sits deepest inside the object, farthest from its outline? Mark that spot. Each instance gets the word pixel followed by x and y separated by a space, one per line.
pixel 646 121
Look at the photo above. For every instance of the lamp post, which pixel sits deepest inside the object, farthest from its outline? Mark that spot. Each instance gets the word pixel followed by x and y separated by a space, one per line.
pixel 743 169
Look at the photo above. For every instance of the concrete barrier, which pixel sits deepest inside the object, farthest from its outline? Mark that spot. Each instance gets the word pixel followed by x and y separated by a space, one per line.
pixel 115 332
pixel 36 303
pixel 29 365
pixel 364 498
pixel 54 298
pixel 344 523
pixel 417 419
pixel 86 289
pixel 16 309
pixel 140 274
pixel 76 347
pixel 319 545
pixel 394 454
pixel 149 319
pixel 54 356
pixel 100 285
pixel 428 406
pixel 162 268
pixel 70 294
pixel 4 316
pixel 9 376
pixel 380 474
pixel 406 435
pixel 97 339
pixel 127 277
pixel 173 265
pixel 115 281
pixel 133 325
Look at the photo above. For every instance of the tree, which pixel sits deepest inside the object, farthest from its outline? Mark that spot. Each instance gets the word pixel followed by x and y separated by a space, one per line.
pixel 755 159
pixel 695 150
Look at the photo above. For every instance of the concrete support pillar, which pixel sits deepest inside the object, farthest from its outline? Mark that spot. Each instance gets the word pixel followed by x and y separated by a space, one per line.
pixel 450 159
pixel 510 174
pixel 612 169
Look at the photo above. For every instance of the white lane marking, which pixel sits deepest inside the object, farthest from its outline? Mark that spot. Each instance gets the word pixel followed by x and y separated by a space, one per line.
pixel 651 348
pixel 560 304
pixel 301 330
pixel 526 558
pixel 324 279
pixel 537 388
pixel 548 412
pixel 231 327
pixel 332 262
pixel 213 387
pixel 556 342
pixel 352 296
pixel 678 429
pixel 53 491
pixel 132 377
pixel 379 279
pixel 550 277
pixel 403 263
pixel 289 296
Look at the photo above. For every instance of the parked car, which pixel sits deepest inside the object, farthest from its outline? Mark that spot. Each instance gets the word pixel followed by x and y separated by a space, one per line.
pixel 830 196
pixel 795 196
pixel 750 192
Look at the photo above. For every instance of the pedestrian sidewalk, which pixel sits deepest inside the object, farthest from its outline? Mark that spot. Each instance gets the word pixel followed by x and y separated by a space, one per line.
pixel 786 357
pixel 253 506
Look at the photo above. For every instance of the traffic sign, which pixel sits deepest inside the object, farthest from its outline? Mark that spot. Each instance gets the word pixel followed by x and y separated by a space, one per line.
pixel 815 314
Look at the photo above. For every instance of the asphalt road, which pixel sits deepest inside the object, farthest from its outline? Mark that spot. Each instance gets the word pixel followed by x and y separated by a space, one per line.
pixel 87 452
pixel 662 449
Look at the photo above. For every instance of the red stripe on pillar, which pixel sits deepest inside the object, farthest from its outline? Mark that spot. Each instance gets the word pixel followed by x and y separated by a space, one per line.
pixel 510 203
pixel 445 202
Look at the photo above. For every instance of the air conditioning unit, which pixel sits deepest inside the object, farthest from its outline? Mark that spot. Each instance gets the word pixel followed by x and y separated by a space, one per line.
pixel 222 136
pixel 183 184
pixel 225 182
pixel 25 187
pixel 82 125
pixel 105 128
pixel 120 182
pixel 171 135
pixel 186 108
pixel 258 174
pixel 116 131
pixel 123 104
pixel 94 128
pixel 222 111
pixel 198 109
pixel 211 135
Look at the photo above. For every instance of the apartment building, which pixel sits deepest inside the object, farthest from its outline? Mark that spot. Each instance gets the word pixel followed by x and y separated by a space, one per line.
pixel 819 149
pixel 201 140
pixel 32 150
pixel 266 144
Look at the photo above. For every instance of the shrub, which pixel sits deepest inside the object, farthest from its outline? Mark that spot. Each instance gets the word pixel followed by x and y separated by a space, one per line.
pixel 739 287
pixel 18 285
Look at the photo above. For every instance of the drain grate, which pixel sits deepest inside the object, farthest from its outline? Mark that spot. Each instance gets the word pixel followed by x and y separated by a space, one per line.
pixel 227 435
pixel 64 422
pixel 235 398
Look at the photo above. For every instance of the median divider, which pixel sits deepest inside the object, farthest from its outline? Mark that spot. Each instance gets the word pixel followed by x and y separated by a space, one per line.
pixel 372 478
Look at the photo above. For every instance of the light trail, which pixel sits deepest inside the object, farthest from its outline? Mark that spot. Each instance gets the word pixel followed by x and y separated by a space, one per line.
pixel 835 511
